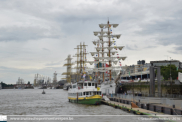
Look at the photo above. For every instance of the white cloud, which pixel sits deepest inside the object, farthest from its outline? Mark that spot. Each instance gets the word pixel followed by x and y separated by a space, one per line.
pixel 39 34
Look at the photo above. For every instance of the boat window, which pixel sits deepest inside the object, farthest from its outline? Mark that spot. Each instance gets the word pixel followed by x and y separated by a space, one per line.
pixel 80 86
pixel 74 86
pixel 83 93
pixel 89 84
pixel 85 84
pixel 87 93
pixel 93 84
pixel 99 93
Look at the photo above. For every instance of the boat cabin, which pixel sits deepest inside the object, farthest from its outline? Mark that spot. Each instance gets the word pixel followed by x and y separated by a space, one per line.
pixel 85 85
pixel 84 89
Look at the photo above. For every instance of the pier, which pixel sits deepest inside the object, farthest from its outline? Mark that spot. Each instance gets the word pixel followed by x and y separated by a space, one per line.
pixel 146 106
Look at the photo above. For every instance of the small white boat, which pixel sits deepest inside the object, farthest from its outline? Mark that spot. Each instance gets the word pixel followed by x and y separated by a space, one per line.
pixel 43 92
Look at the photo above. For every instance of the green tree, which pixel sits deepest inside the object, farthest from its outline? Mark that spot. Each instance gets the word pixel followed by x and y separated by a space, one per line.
pixel 165 72
pixel 3 84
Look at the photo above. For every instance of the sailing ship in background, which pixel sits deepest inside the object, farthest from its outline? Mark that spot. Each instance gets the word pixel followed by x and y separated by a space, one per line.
pixel 84 91
pixel 42 82
pixel 20 84
pixel 68 73
pixel 104 68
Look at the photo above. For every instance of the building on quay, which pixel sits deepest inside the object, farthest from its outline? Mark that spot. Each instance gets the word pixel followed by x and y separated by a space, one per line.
pixel 142 69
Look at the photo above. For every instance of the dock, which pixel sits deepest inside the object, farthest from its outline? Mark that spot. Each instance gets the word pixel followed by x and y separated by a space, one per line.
pixel 150 103
pixel 128 108
pixel 154 110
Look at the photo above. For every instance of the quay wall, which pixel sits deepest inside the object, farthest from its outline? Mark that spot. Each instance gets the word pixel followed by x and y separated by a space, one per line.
pixel 144 88
pixel 159 108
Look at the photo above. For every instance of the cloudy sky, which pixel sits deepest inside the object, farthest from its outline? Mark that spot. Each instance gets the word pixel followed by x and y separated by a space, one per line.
pixel 37 35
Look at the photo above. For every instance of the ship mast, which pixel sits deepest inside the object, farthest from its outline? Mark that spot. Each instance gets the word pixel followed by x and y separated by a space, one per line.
pixel 98 66
pixel 68 73
pixel 77 63
pixel 81 60
pixel 109 51
pixel 54 79
pixel 108 59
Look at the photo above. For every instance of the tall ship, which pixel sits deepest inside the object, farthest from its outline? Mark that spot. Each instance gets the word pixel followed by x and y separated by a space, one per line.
pixel 84 91
pixel 106 58
pixel 105 73
pixel 41 82
pixel 68 73
pixel 20 83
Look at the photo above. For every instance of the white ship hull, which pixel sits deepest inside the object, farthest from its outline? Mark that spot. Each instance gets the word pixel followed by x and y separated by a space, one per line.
pixel 108 88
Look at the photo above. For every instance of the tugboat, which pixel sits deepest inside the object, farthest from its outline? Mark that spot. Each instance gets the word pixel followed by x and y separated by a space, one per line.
pixel 85 92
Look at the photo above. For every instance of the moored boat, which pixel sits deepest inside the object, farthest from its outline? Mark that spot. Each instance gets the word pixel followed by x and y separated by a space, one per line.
pixel 85 92
pixel 106 58
pixel 66 86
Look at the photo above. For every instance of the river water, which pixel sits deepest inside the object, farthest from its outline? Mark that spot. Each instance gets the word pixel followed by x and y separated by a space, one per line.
pixel 31 102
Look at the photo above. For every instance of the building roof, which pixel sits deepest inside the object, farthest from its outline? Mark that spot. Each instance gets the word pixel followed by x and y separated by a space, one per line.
pixel 164 61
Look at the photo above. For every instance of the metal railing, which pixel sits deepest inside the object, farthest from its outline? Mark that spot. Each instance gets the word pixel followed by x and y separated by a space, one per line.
pixel 145 99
